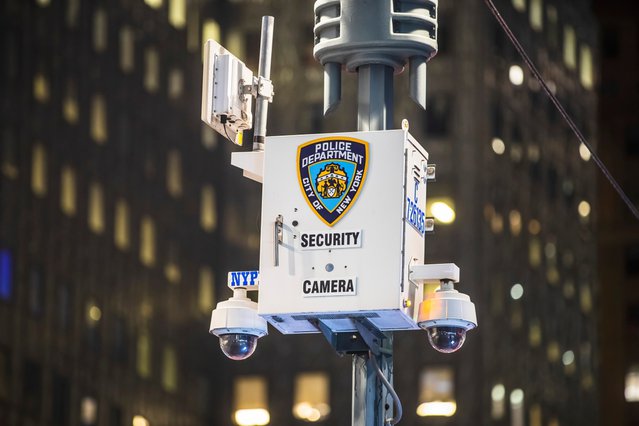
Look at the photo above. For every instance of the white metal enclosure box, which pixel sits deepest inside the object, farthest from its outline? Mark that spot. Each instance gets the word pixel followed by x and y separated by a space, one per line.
pixel 343 218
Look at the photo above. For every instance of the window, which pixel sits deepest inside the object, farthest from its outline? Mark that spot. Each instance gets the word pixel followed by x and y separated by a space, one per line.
pixel 36 292
pixel 632 139
pixel 519 5
pixel 68 191
pixel 61 400
pixel 70 110
pixel 100 27
pixel 517 408
pixel 438 115
pixel 5 372
pixel 535 415
pixel 177 13
pixel 534 333
pixel 6 274
pixel 121 227
pixel 498 406
pixel 174 173
pixel 64 307
pixel 209 137
pixel 147 241
pixel 39 170
pixel 210 31
pixel 570 47
pixel 632 260
pixel 139 421
pixel 586 73
pixel 192 27
pixel 96 208
pixel 119 349
pixel 127 49
pixel 98 119
pixel 437 392
pixel 143 358
pixel 208 209
pixel 176 83
pixel 41 88
pixel 9 153
pixel 249 402
pixel 632 384
pixel 155 4
pixel 172 268
pixel 553 26
pixel 169 369
pixel 536 15
pixel 151 69
pixel 311 402
pixel 88 411
pixel 72 13
pixel 32 389
pixel 206 290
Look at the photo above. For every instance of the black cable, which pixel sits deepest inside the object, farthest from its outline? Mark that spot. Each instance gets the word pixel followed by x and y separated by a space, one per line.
pixel 560 108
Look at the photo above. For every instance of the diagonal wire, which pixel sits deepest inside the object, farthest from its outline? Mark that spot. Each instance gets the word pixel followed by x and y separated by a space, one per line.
pixel 560 108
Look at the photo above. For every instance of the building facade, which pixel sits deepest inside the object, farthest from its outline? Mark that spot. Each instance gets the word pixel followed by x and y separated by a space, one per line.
pixel 120 216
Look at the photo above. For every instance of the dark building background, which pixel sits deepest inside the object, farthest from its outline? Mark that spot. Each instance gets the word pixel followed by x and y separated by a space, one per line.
pixel 120 216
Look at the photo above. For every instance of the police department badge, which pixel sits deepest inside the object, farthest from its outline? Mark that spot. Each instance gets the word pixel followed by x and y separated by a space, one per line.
pixel 331 172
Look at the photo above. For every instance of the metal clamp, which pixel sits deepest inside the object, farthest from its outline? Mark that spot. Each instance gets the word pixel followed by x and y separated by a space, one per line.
pixel 278 238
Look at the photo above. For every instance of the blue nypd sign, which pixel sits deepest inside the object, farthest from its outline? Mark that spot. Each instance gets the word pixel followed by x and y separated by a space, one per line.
pixel 244 279
pixel 415 216
pixel 331 173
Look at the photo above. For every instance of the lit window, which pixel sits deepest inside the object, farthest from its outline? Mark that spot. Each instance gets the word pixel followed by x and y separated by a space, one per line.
pixel 96 208
pixel 516 75
pixel 442 209
pixel 6 274
pixel 174 173
pixel 88 411
pixel 192 28
pixel 498 406
pixel 94 314
pixel 43 3
pixel 121 227
pixel 210 31
pixel 176 83
pixel 143 358
pixel 570 47
pixel 311 397
pixel 535 415
pixel 514 218
pixel 632 384
pixel 98 119
pixel 584 152
pixel 517 408
pixel 139 421
pixel 208 209
pixel 127 49
pixel 585 298
pixel 519 5
pixel 41 88
pixel 553 352
pixel 568 360
pixel 498 146
pixel 534 252
pixel 177 13
pixel 497 223
pixel 235 42
pixel 68 191
pixel 209 137
pixel 536 15
pixel 586 73
pixel 147 241
pixel 534 227
pixel 100 28
pixel 172 268
pixel 73 10
pixel 70 110
pixel 39 170
pixel 437 393
pixel 206 291
pixel 534 333
pixel 169 369
pixel 517 291
pixel 9 154
pixel 584 209
pixel 151 70
pixel 155 4
pixel 250 407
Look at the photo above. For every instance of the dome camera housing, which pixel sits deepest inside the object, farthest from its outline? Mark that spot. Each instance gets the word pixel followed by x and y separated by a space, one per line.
pixel 237 325
pixel 447 315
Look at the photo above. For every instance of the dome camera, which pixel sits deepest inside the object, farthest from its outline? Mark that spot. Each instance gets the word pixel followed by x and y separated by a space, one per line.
pixel 447 315
pixel 236 323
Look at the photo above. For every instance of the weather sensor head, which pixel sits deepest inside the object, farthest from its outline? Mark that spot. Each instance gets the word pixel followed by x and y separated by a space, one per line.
pixel 237 325
pixel 447 315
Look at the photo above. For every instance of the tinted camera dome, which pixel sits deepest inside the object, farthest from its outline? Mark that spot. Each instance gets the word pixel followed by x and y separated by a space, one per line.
pixel 238 346
pixel 446 339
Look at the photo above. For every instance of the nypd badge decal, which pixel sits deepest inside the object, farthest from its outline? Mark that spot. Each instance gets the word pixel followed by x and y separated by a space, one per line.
pixel 331 173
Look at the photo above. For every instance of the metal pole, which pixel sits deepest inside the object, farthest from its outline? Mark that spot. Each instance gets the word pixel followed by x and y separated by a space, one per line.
pixel 264 70
pixel 372 404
